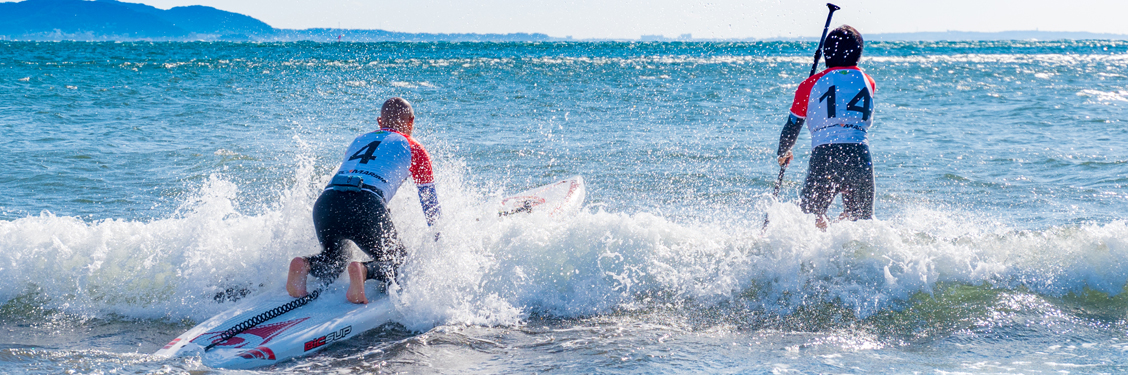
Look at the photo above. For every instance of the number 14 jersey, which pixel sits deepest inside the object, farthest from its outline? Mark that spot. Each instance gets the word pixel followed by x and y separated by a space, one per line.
pixel 837 105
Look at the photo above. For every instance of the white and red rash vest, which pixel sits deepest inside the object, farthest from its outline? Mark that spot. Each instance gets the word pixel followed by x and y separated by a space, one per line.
pixel 837 105
pixel 384 158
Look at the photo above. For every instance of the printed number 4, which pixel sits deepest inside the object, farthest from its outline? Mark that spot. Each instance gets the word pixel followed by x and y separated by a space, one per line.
pixel 365 154
pixel 866 109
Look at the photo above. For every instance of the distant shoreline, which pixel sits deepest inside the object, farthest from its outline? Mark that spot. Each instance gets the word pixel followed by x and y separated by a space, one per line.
pixel 110 20
pixel 370 36
pixel 378 36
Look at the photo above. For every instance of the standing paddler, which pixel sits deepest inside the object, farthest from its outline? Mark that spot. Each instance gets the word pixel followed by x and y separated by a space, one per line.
pixel 837 107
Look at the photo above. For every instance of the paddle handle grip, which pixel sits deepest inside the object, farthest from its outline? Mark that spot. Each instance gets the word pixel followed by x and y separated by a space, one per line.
pixel 818 51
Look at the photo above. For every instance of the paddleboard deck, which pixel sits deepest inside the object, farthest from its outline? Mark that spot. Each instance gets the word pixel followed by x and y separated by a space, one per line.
pixel 555 198
pixel 297 333
pixel 328 318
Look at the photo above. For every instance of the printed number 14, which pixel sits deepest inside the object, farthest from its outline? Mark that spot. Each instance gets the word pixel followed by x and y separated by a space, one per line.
pixel 866 109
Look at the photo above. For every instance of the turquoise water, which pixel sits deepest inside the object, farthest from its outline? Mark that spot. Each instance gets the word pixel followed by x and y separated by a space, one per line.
pixel 142 179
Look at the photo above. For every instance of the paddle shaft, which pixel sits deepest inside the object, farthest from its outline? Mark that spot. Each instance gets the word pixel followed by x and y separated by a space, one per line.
pixel 814 67
pixel 818 51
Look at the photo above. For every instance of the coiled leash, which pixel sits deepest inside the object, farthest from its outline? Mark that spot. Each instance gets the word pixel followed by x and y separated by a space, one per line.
pixel 260 318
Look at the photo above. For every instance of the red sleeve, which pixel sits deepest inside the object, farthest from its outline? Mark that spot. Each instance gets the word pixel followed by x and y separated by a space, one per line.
pixel 420 164
pixel 871 82
pixel 803 95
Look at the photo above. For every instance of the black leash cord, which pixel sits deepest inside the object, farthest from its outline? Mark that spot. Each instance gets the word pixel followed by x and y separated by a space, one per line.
pixel 260 318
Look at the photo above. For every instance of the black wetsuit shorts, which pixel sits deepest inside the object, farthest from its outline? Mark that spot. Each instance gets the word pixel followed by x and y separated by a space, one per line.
pixel 840 168
pixel 360 217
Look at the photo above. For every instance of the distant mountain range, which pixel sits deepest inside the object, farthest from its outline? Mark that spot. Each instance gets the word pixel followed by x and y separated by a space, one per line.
pixel 111 20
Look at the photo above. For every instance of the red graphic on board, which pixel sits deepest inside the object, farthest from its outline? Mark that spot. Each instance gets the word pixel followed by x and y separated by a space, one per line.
pixel 171 343
pixel 250 338
pixel 261 352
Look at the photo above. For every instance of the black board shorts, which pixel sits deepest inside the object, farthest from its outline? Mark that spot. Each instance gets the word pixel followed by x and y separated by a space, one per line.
pixel 360 217
pixel 840 168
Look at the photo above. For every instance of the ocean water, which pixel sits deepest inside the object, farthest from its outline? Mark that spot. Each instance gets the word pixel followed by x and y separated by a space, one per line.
pixel 143 180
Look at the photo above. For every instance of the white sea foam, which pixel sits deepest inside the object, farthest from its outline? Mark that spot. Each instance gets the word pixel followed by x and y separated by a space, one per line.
pixel 1105 96
pixel 170 267
pixel 494 271
pixel 1044 59
pixel 1048 59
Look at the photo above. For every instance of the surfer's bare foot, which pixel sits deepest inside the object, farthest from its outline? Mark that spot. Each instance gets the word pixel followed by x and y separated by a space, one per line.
pixel 357 274
pixel 821 223
pixel 296 280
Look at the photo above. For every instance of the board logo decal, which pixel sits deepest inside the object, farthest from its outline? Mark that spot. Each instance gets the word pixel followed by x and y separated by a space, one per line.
pixel 331 337
pixel 261 352
pixel 250 338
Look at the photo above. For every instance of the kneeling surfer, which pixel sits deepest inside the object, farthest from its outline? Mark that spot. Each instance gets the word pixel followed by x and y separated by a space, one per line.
pixel 354 205
pixel 837 105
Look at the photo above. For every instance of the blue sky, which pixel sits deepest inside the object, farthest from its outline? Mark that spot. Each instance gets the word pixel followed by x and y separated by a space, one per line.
pixel 704 19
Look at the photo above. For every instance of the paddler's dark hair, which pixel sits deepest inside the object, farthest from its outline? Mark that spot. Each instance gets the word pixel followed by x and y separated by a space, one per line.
pixel 843 47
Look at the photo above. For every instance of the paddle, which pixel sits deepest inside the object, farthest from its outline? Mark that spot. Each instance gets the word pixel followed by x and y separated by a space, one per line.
pixel 814 67
pixel 818 52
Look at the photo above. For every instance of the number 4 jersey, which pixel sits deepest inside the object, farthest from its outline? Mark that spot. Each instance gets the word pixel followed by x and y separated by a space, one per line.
pixel 837 105
pixel 383 159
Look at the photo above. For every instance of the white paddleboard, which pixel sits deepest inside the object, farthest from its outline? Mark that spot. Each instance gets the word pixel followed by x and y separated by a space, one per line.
pixel 329 318
pixel 553 199
pixel 297 333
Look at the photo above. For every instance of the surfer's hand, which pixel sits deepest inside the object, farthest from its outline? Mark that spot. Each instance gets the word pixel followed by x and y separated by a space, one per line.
pixel 437 236
pixel 785 159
